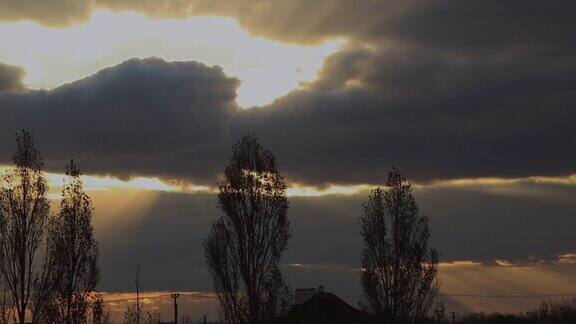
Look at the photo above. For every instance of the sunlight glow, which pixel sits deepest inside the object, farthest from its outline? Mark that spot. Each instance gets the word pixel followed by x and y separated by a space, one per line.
pixel 569 258
pixel 456 264
pixel 564 180
pixel 267 69
pixel 195 303
pixel 101 183
pixel 298 190
pixel 495 185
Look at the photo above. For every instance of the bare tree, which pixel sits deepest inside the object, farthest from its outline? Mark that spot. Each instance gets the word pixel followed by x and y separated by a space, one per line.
pixel 133 314
pixel 24 211
pixel 399 268
pixel 153 317
pixel 74 250
pixel 245 245
pixel 137 284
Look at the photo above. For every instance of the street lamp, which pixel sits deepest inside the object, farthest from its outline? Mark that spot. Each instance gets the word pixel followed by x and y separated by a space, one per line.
pixel 175 297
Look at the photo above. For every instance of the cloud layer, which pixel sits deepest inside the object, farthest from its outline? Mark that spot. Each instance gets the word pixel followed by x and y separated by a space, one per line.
pixel 442 89
pixel 472 24
pixel 435 116
pixel 140 117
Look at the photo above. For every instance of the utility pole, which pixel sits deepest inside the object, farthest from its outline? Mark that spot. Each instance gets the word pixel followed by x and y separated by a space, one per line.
pixel 453 317
pixel 175 297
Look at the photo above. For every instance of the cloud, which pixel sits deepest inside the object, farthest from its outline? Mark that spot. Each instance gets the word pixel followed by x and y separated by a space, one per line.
pixel 434 115
pixel 11 77
pixel 275 19
pixel 487 26
pixel 140 117
pixel 51 13
pixel 464 25
pixel 442 89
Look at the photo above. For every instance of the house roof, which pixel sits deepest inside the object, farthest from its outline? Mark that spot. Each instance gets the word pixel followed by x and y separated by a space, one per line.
pixel 325 307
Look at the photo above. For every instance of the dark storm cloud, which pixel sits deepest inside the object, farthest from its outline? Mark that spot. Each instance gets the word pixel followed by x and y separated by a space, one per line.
pixel 140 117
pixel 443 89
pixel 435 115
pixel 488 26
pixel 511 222
pixel 11 77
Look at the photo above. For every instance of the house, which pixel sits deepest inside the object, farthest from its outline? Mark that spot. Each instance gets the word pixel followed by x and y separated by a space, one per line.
pixel 319 307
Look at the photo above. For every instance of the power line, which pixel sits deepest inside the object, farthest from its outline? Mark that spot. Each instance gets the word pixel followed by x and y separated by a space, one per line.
pixel 508 296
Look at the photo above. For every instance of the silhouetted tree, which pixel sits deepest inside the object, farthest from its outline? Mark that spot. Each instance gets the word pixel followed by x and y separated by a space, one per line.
pixel 44 305
pixel 24 213
pixel 74 250
pixel 153 317
pixel 245 245
pixel 133 314
pixel 561 311
pixel 399 268
pixel 6 310
pixel 440 312
pixel 100 313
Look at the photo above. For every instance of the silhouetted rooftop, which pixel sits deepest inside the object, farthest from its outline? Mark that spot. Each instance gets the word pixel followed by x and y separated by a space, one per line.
pixel 324 308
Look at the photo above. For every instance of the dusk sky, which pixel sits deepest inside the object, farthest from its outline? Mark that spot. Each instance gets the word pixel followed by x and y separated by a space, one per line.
pixel 474 101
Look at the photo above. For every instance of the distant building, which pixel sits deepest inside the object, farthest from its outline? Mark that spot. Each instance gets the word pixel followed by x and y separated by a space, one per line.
pixel 313 306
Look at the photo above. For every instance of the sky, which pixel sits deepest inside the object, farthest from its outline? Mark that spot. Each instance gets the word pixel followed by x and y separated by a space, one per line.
pixel 473 100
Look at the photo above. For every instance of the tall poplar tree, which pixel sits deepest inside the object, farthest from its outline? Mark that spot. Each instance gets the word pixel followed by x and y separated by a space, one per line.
pixel 24 214
pixel 245 245
pixel 398 266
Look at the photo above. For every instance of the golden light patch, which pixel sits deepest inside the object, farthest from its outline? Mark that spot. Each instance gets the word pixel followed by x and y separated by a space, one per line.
pixel 569 258
pixel 564 180
pixel 101 183
pixel 456 264
pixel 54 56
pixel 297 190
